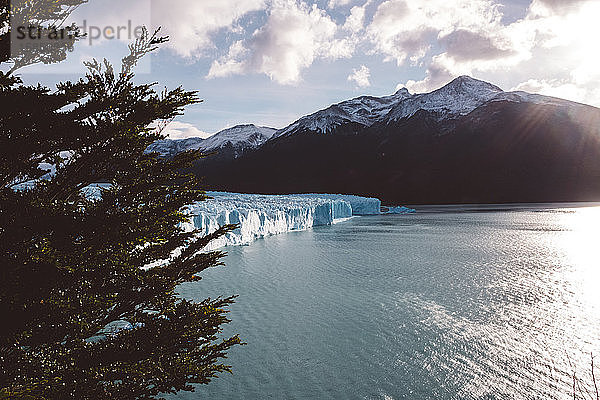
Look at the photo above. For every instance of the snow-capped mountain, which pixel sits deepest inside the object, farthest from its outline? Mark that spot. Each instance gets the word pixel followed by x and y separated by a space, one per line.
pixel 364 110
pixel 459 97
pixel 235 140
pixel 467 142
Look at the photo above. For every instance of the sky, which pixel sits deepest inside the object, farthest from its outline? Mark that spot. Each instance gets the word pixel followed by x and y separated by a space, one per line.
pixel 269 62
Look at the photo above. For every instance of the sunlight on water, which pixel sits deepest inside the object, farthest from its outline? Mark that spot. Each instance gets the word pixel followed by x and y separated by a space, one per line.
pixel 581 248
pixel 502 304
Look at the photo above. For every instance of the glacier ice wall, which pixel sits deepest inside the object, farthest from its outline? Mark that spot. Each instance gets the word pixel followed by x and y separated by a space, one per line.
pixel 265 215
pixel 400 210
pixel 360 205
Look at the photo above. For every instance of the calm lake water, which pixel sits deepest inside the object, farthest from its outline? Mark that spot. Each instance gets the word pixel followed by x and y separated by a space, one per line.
pixel 449 303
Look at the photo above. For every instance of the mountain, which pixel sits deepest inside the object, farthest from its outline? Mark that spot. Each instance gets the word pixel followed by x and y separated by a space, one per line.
pixel 229 143
pixel 467 142
pixel 361 112
pixel 458 98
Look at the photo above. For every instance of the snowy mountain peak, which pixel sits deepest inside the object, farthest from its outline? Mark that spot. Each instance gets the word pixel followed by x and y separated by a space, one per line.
pixel 363 110
pixel 243 136
pixel 403 92
pixel 239 138
pixel 472 86
pixel 459 97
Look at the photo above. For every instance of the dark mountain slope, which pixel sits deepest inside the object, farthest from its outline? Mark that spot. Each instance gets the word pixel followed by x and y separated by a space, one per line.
pixel 503 151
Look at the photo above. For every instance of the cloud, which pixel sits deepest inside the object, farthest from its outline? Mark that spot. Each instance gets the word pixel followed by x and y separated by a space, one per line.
pixel 551 54
pixel 337 3
pixel 402 30
pixel 183 130
pixel 564 88
pixel 566 47
pixel 436 75
pixel 190 24
pixel 233 63
pixel 355 21
pixel 442 39
pixel 360 76
pixel 557 6
pixel 556 88
pixel 463 45
pixel 294 36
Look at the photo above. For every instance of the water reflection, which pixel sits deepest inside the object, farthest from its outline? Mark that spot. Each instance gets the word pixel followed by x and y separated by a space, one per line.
pixel 580 249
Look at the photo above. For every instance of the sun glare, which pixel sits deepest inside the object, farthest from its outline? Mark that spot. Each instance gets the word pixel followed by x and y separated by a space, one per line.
pixel 580 246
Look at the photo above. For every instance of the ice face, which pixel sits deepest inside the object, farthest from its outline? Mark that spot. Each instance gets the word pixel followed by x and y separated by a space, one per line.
pixel 360 205
pixel 400 210
pixel 265 215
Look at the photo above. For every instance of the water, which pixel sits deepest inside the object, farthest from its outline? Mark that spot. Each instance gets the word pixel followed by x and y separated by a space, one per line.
pixel 449 303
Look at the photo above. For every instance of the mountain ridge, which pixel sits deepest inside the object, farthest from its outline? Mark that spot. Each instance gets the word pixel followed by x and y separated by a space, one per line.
pixel 459 97
pixel 467 142
pixel 236 140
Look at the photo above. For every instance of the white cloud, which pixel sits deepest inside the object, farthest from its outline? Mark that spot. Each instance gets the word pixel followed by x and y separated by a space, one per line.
pixel 566 46
pixel 546 7
pixel 190 24
pixel 561 61
pixel 560 36
pixel 337 3
pixel 183 130
pixel 360 76
pixel 404 30
pixel 294 36
pixel 445 39
pixel 556 88
pixel 435 76
pixel 356 20
pixel 230 64
pixel 113 15
pixel 562 88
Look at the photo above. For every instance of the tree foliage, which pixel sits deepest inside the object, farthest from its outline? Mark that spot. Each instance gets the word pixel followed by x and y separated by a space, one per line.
pixel 47 16
pixel 88 272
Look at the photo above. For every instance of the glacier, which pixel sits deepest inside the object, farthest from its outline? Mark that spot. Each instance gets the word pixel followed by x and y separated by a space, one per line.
pixel 265 215
pixel 400 210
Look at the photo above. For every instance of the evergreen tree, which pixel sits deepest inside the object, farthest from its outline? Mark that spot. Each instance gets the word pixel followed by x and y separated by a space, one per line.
pixel 88 274
pixel 45 17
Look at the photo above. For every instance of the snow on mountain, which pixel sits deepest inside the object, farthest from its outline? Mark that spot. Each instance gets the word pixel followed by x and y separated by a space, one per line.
pixel 364 110
pixel 459 97
pixel 239 138
pixel 524 97
pixel 265 215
